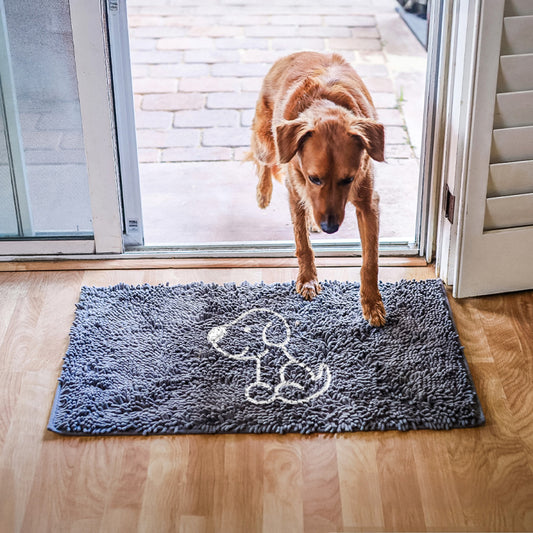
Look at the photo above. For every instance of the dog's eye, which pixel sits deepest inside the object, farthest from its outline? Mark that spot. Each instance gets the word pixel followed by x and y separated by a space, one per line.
pixel 315 180
pixel 347 180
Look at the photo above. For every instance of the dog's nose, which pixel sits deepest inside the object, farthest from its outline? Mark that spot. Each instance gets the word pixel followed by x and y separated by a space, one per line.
pixel 216 334
pixel 329 225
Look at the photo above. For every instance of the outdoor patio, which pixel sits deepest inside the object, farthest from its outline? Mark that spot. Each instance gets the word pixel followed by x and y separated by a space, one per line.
pixel 197 69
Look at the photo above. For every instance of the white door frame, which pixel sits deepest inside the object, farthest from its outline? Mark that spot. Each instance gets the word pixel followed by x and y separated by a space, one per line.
pixel 439 50
pixel 89 32
pixel 456 121
pixel 477 108
pixel 100 118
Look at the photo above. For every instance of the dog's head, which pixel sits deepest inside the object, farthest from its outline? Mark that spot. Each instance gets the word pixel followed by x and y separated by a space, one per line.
pixel 250 334
pixel 331 146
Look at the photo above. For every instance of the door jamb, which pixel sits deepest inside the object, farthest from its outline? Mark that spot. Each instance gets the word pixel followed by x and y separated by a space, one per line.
pixel 89 33
pixel 121 79
pixel 431 160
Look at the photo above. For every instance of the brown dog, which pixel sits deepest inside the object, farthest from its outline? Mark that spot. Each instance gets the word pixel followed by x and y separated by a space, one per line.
pixel 315 121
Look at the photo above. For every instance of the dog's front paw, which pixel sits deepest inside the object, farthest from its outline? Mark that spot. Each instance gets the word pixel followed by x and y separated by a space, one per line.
pixel 374 311
pixel 308 289
pixel 314 227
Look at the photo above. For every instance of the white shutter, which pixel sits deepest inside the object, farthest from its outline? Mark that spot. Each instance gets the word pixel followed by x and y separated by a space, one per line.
pixel 495 223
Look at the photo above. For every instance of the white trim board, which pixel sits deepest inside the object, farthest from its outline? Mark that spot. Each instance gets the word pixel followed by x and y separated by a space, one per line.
pixel 89 34
pixel 10 250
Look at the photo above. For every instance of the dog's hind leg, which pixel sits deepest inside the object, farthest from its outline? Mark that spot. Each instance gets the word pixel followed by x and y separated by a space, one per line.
pixel 264 186
pixel 264 173
pixel 263 151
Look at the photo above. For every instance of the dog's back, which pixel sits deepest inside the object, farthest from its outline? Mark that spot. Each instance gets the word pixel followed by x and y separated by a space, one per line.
pixel 297 80
pixel 292 85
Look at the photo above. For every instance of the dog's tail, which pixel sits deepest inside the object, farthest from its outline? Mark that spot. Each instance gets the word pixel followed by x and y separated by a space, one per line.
pixel 248 156
pixel 275 170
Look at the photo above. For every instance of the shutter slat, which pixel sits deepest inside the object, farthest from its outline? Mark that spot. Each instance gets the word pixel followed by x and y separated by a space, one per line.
pixel 509 212
pixel 513 110
pixel 506 179
pixel 517 8
pixel 517 35
pixel 512 144
pixel 516 73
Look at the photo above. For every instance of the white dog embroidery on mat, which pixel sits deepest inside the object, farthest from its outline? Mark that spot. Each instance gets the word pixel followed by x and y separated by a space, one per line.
pixel 256 333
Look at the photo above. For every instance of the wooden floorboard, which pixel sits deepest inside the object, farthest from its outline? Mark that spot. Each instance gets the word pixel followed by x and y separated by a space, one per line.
pixel 156 262
pixel 461 480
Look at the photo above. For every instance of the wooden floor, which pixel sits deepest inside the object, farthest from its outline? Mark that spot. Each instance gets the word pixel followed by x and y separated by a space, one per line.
pixel 461 480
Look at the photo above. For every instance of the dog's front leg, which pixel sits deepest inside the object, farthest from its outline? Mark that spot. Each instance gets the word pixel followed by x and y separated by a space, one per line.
pixel 307 282
pixel 368 222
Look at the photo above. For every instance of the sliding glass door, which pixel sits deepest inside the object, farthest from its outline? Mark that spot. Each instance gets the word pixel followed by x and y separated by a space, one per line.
pixel 44 180
pixel 69 174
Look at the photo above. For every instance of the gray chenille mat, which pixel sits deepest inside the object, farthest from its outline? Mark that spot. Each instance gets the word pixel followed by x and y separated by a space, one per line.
pixel 206 358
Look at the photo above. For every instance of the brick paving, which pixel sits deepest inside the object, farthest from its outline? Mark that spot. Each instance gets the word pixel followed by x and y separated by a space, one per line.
pixel 198 67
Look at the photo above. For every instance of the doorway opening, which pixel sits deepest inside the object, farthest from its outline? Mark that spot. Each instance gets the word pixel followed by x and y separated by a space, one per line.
pixel 197 70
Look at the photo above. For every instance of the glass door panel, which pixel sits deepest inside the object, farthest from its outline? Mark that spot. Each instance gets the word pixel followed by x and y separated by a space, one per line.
pixel 44 180
pixel 8 214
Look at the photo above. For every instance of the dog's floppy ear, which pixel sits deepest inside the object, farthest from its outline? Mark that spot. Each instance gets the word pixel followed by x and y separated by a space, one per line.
pixel 372 137
pixel 290 135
